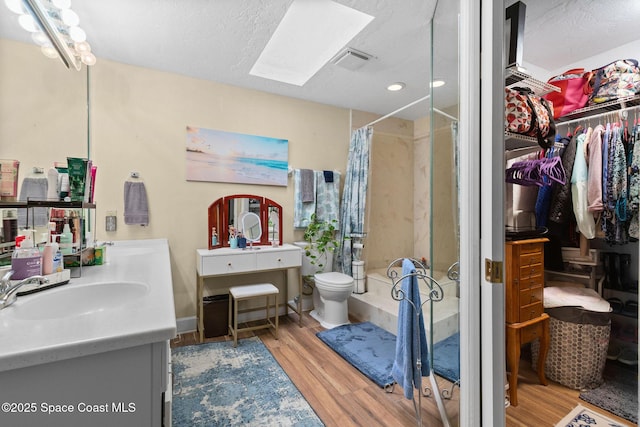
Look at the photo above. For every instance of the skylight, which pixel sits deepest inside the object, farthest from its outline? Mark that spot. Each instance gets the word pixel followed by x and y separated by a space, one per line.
pixel 310 34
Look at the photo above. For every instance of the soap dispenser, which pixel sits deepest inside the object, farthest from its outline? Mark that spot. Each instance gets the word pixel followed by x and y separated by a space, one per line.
pixel 66 240
pixel 26 260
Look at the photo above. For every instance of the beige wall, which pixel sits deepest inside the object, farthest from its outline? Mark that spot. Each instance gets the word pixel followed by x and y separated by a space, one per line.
pixel 138 120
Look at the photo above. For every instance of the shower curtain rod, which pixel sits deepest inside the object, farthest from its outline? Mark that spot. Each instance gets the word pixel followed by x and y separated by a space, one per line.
pixel 407 106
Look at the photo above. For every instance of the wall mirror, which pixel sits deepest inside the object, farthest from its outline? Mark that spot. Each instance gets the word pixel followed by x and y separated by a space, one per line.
pixel 230 211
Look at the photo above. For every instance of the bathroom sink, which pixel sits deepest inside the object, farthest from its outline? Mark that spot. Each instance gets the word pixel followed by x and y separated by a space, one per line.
pixel 127 252
pixel 74 301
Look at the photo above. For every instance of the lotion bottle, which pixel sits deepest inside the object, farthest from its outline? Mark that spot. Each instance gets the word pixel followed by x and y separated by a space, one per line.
pixel 66 240
pixel 49 252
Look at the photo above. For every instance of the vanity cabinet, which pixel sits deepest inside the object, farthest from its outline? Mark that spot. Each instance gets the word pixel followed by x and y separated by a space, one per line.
pixel 125 387
pixel 222 262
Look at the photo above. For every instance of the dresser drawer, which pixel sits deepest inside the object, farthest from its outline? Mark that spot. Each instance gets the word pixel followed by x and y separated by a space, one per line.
pixel 275 260
pixel 531 258
pixel 531 332
pixel 228 264
pixel 530 270
pixel 530 282
pixel 531 296
pixel 530 311
pixel 529 248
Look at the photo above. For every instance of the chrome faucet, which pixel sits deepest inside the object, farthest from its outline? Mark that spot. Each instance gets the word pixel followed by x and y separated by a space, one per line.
pixel 8 290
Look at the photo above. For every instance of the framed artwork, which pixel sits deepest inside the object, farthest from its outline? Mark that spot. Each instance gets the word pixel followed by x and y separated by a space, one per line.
pixel 218 156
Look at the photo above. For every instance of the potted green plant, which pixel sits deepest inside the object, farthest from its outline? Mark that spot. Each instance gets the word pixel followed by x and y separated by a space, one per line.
pixel 321 242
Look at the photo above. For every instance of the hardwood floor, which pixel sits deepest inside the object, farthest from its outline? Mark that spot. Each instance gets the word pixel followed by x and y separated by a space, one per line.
pixel 342 396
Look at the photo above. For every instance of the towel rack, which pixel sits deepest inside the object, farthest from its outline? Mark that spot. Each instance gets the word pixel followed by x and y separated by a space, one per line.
pixel 435 294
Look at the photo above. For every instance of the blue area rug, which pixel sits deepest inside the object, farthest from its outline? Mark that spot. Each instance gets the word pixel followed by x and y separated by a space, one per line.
pixel 216 384
pixel 372 350
pixel 446 358
pixel 619 392
pixel 367 347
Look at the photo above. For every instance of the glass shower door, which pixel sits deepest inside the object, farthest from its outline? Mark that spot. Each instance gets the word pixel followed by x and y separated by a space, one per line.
pixel 443 223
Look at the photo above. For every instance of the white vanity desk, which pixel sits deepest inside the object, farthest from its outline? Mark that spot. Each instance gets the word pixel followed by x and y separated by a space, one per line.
pixel 226 261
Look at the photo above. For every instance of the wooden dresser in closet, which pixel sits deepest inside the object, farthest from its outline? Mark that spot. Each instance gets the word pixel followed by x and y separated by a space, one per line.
pixel 525 317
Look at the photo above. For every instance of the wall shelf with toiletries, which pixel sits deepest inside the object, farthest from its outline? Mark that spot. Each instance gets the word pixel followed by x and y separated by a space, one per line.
pixel 80 253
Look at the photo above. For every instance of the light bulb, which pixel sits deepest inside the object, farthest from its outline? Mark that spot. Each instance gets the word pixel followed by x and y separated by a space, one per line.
pixel 396 86
pixel 77 34
pixel 40 38
pixel 82 47
pixel 88 58
pixel 28 23
pixel 49 52
pixel 14 6
pixel 61 4
pixel 69 17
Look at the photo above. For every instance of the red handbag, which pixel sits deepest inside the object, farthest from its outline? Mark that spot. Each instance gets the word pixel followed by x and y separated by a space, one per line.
pixel 573 94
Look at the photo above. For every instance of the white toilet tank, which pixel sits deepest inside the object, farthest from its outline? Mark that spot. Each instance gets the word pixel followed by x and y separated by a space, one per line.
pixel 309 269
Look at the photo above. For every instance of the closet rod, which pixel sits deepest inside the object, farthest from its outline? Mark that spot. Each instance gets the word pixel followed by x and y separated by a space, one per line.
pixel 407 106
pixel 595 116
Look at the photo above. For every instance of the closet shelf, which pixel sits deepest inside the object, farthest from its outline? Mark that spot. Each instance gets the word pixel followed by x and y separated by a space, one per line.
pixel 514 141
pixel 604 108
pixel 517 78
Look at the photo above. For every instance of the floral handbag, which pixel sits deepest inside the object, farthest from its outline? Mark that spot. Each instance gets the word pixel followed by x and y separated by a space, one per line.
pixel 617 79
pixel 528 114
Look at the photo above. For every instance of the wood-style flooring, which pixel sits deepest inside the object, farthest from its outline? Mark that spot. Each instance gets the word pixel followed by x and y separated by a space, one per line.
pixel 341 396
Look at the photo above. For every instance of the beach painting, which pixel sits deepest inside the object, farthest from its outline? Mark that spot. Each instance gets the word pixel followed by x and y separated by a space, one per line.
pixel 218 156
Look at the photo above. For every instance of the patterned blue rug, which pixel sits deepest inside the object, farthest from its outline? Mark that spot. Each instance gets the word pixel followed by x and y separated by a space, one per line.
pixel 372 350
pixel 215 384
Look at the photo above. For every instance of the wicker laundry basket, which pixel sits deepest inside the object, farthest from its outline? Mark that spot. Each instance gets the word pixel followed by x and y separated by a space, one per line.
pixel 577 352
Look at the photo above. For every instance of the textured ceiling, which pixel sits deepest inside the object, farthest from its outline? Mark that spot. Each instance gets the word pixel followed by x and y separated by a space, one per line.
pixel 220 40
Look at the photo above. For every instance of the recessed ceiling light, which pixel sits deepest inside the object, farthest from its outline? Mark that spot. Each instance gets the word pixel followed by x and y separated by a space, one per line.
pixel 309 35
pixel 394 87
pixel 437 83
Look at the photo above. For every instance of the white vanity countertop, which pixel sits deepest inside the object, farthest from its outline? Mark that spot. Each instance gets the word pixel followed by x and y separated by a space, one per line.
pixel 256 249
pixel 147 317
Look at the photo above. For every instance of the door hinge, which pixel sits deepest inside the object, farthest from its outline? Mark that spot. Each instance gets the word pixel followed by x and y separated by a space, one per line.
pixel 493 271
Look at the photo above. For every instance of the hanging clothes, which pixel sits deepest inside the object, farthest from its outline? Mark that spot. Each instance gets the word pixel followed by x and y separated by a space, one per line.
pixel 579 177
pixel 633 207
pixel 615 189
pixel 543 201
pixel 594 162
pixel 560 211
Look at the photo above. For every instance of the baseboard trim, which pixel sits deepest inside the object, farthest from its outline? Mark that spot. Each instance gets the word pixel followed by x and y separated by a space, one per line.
pixel 186 324
pixel 190 324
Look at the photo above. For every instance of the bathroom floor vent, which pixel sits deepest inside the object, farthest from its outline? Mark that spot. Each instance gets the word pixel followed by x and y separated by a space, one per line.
pixel 351 59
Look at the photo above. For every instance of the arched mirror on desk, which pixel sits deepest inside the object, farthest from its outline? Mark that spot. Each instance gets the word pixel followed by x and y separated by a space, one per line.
pixel 228 212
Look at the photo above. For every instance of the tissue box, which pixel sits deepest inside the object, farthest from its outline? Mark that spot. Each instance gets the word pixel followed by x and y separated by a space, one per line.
pixel 90 256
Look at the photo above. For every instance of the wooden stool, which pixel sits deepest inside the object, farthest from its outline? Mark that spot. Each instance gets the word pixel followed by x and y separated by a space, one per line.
pixel 240 293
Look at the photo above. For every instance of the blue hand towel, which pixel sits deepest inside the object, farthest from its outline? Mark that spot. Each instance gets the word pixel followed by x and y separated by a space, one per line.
pixel 411 336
pixel 136 208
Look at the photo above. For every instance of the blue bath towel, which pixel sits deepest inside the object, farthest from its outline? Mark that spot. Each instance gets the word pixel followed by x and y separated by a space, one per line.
pixel 408 345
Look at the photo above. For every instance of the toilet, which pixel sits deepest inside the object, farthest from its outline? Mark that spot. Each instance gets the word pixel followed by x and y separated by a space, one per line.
pixel 330 294
pixel 331 309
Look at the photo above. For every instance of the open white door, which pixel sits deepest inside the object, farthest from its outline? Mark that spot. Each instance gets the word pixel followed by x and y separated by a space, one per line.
pixel 482 224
